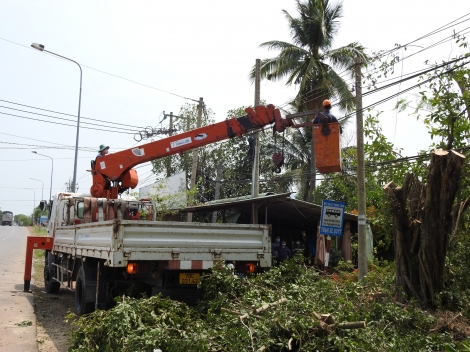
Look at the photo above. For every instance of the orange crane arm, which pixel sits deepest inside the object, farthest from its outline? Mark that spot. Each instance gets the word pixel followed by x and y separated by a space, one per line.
pixel 112 174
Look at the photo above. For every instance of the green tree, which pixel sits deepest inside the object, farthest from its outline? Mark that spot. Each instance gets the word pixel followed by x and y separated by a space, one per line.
pixel 37 213
pixel 447 100
pixel 296 147
pixel 429 207
pixel 21 218
pixel 445 106
pixel 185 121
pixel 312 63
pixel 234 154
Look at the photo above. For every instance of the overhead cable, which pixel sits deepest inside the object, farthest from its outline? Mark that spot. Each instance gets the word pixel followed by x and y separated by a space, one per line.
pixel 110 74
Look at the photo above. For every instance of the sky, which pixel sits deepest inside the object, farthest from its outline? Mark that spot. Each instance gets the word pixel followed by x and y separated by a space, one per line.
pixel 141 58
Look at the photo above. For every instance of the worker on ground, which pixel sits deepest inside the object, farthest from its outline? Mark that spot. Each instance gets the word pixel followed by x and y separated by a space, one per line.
pixel 104 149
pixel 298 247
pixel 284 252
pixel 275 246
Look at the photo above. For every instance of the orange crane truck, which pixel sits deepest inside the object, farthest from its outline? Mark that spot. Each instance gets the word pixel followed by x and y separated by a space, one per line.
pixel 98 246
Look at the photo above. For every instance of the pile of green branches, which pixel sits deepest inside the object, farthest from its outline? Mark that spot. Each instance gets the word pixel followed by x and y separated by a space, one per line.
pixel 229 318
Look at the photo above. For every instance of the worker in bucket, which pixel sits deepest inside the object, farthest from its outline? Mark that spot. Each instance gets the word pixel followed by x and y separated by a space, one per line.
pixel 326 115
pixel 104 149
pixel 322 116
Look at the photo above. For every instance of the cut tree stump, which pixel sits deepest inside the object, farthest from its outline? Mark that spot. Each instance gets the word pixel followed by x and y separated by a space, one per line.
pixel 423 221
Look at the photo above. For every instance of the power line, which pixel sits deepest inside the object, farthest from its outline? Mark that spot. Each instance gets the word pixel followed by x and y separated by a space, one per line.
pixel 39 140
pixel 37 159
pixel 63 124
pixel 316 89
pixel 110 74
pixel 401 80
pixel 406 90
pixel 419 73
pixel 58 144
pixel 47 147
pixel 435 31
pixel 63 113
pixel 64 119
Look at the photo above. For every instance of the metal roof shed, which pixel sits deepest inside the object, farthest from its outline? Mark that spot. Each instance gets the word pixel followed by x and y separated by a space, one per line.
pixel 286 215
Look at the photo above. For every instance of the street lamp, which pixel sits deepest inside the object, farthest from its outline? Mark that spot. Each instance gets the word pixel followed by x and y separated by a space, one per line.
pixel 34 207
pixel 42 190
pixel 40 47
pixel 52 171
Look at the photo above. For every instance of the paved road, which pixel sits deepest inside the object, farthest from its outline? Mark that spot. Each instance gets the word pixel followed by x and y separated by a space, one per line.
pixel 17 319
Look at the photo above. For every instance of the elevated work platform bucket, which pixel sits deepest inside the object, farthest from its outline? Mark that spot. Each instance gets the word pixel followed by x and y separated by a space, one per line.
pixel 327 148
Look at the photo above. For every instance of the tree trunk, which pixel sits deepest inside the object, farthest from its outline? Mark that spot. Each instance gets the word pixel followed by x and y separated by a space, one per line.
pixel 313 171
pixel 314 104
pixel 422 220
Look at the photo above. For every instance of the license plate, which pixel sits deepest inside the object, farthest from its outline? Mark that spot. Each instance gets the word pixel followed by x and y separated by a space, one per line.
pixel 189 278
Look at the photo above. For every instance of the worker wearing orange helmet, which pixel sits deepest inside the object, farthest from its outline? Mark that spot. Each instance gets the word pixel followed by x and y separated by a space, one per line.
pixel 325 114
pixel 322 116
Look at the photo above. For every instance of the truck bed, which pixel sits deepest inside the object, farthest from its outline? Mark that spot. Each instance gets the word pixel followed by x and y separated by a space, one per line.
pixel 121 241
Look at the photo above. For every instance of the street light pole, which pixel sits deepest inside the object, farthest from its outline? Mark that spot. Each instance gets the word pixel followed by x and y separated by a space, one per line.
pixel 42 190
pixel 52 171
pixel 40 47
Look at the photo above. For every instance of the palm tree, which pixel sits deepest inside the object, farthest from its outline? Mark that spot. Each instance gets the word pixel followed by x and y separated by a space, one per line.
pixel 311 62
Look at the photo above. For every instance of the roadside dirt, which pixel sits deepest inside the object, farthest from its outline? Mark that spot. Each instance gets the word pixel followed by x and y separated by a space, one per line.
pixel 51 310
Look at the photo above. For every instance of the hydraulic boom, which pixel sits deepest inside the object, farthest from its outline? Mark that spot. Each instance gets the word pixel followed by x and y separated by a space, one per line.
pixel 113 174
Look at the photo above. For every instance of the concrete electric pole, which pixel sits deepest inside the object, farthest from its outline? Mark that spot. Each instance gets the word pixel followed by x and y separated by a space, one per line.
pixel 195 156
pixel 255 172
pixel 361 189
pixel 170 133
pixel 217 189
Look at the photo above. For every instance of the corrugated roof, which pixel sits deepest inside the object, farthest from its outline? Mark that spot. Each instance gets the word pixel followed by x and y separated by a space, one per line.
pixel 233 202
pixel 282 206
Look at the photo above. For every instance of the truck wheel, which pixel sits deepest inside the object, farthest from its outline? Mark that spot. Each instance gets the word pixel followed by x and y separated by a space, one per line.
pixel 81 305
pixel 50 285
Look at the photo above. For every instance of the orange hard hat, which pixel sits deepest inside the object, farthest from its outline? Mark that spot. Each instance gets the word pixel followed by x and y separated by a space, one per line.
pixel 326 102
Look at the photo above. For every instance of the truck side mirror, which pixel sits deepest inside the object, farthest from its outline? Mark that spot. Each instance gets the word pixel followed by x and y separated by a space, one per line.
pixel 43 205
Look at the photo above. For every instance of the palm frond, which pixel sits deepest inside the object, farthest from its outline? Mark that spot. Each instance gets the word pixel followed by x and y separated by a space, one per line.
pixel 341 91
pixel 343 57
pixel 277 44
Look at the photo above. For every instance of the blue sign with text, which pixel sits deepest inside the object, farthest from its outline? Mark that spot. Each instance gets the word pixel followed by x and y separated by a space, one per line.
pixel 332 216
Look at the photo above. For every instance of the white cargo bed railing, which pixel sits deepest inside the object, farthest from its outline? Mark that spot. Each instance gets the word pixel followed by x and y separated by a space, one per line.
pixel 121 241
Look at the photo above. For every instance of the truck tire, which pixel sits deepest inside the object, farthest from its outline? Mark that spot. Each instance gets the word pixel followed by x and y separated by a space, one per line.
pixel 81 305
pixel 51 286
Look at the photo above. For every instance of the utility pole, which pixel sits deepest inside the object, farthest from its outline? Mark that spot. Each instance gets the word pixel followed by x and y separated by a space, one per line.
pixel 170 133
pixel 195 156
pixel 255 172
pixel 68 186
pixel 361 189
pixel 217 189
